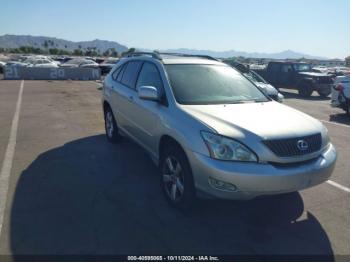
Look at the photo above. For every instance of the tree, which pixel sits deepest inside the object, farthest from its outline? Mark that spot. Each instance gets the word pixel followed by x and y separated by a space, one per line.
pixel 24 50
pixel 14 50
pixel 53 51
pixel 77 52
pixel 131 50
pixel 106 53
pixel 347 61
pixel 114 52
pixel 46 44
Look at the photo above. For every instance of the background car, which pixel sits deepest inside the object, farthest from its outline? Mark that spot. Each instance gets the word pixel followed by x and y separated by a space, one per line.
pixel 41 62
pixel 80 62
pixel 341 93
pixel 296 75
pixel 107 65
pixel 259 81
pixel 320 69
pixel 16 64
pixel 2 65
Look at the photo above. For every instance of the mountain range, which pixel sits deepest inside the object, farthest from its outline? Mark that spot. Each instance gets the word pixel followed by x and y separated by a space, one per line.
pixel 16 41
pixel 232 53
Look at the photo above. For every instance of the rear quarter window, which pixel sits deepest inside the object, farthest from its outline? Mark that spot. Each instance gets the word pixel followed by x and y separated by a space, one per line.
pixel 130 73
pixel 116 72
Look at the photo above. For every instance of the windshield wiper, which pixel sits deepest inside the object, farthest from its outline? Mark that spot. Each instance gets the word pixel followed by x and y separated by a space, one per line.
pixel 250 101
pixel 260 100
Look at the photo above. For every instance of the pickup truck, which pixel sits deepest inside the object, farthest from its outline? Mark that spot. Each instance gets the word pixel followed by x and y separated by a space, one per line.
pixel 299 76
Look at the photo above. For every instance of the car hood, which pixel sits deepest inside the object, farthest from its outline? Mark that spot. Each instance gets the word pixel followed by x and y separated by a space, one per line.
pixel 268 120
pixel 47 65
pixel 313 74
pixel 69 65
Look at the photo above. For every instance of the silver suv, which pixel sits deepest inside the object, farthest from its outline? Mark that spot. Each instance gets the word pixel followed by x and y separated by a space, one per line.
pixel 211 131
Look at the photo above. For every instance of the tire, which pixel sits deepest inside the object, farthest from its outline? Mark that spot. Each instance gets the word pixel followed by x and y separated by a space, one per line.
pixel 324 93
pixel 347 110
pixel 305 89
pixel 111 126
pixel 176 177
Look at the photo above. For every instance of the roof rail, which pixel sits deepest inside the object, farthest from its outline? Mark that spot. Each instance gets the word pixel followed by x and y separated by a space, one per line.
pixel 152 54
pixel 188 55
pixel 157 55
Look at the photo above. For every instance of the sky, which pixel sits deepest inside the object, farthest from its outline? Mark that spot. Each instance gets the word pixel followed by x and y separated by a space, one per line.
pixel 314 27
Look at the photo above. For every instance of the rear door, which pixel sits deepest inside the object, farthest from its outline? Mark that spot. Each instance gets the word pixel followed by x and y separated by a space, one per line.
pixel 123 95
pixel 285 78
pixel 273 71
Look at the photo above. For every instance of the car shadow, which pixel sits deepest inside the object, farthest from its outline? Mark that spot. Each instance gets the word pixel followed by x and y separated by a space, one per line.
pixel 314 97
pixel 340 118
pixel 92 197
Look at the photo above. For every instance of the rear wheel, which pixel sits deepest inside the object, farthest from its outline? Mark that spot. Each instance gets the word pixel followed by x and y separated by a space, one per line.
pixel 177 179
pixel 111 126
pixel 305 89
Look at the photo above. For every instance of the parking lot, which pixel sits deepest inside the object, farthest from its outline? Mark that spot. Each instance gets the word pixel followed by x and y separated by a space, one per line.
pixel 71 192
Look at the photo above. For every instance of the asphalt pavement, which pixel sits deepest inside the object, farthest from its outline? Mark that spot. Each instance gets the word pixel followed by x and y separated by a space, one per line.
pixel 71 192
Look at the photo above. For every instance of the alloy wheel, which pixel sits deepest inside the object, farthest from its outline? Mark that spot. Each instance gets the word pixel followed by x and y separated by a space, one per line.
pixel 173 179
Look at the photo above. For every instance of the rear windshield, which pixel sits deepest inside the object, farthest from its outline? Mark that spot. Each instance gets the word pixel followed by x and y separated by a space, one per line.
pixel 211 84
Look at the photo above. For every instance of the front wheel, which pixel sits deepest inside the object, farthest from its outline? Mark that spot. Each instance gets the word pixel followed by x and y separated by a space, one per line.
pixel 324 93
pixel 177 179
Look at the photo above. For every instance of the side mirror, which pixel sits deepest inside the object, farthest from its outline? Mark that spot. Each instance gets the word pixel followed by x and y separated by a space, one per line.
pixel 280 97
pixel 148 93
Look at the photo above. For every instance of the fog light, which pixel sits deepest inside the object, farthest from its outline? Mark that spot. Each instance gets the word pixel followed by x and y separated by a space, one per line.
pixel 221 185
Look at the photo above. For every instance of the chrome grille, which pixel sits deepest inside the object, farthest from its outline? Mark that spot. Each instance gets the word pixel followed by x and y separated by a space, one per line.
pixel 289 147
pixel 325 80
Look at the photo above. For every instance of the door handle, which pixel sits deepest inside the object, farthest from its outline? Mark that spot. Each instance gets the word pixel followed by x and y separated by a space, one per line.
pixel 131 98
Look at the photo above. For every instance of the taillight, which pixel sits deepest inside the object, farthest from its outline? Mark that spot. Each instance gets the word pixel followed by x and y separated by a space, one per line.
pixel 339 87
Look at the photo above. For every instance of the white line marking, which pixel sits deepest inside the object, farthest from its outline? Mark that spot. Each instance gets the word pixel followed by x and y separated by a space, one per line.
pixel 9 154
pixel 344 188
pixel 329 122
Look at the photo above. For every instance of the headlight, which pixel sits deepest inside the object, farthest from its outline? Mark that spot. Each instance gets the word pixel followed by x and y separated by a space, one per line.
pixel 326 138
pixel 224 148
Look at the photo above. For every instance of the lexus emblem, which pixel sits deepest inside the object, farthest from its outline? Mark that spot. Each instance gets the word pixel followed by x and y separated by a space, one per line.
pixel 302 145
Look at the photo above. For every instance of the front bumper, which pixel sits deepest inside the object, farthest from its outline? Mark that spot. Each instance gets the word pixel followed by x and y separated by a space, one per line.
pixel 323 88
pixel 256 179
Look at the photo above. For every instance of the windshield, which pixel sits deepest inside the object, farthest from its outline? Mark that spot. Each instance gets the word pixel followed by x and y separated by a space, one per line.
pixel 254 77
pixel 110 61
pixel 302 67
pixel 75 61
pixel 211 84
pixel 29 61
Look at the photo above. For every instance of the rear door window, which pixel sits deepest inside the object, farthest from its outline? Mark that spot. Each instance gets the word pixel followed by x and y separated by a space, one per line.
pixel 274 67
pixel 130 73
pixel 287 68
